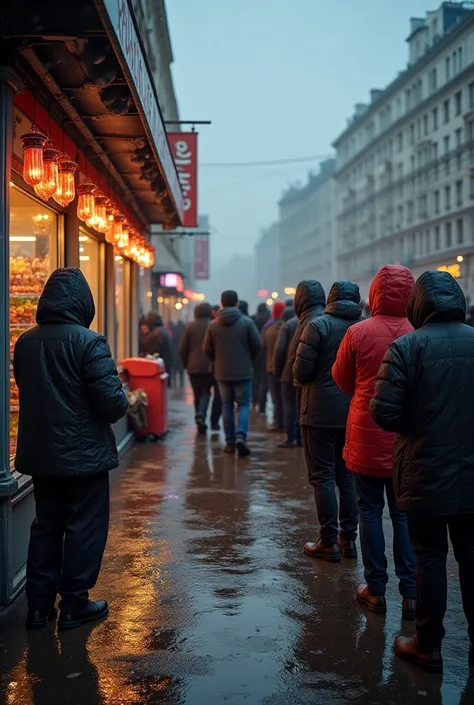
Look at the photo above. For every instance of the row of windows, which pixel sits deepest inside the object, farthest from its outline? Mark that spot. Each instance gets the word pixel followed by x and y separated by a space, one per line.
pixel 414 95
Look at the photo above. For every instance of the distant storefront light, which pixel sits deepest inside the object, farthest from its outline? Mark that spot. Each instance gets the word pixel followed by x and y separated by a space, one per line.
pixel 453 269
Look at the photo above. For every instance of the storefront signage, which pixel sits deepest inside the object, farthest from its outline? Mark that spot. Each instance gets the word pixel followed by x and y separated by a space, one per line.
pixel 184 150
pixel 133 62
pixel 453 269
pixel 201 257
pixel 172 281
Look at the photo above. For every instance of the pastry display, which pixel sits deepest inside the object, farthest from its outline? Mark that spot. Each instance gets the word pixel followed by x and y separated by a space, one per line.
pixel 28 276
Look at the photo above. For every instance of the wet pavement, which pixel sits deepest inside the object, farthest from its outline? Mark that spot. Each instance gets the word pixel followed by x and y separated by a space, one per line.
pixel 212 600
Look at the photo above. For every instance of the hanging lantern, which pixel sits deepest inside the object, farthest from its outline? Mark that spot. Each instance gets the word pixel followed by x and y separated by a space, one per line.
pixel 124 238
pixel 86 200
pixel 109 231
pixel 33 143
pixel 49 184
pixel 66 185
pixel 118 228
pixel 99 219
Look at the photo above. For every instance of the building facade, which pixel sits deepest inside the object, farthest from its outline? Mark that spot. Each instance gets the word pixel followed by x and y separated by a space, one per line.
pixel 308 230
pixel 405 162
pixel 267 263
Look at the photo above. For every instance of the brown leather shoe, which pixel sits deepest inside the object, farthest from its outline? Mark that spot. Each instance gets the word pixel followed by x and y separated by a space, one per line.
pixel 375 603
pixel 409 610
pixel 332 554
pixel 408 650
pixel 348 548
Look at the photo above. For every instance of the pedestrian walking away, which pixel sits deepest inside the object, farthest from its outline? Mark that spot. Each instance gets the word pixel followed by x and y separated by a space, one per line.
pixel 368 450
pixel 269 338
pixel 155 340
pixel 260 380
pixel 323 416
pixel 176 334
pixel 70 393
pixel 232 344
pixel 284 373
pixel 424 394
pixel 196 364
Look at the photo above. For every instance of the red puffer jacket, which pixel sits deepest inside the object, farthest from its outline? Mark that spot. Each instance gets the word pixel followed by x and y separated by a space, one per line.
pixel 368 449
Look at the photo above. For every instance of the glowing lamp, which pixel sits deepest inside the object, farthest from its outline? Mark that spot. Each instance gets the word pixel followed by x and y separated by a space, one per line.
pixel 99 219
pixel 66 191
pixel 124 238
pixel 33 143
pixel 86 200
pixel 49 184
pixel 118 229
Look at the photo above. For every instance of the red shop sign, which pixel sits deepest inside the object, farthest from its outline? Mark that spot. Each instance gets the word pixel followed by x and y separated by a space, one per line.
pixel 184 151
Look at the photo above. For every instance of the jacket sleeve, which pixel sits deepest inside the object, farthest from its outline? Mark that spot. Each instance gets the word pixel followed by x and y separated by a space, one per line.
pixel 255 341
pixel 344 369
pixel 307 353
pixel 99 374
pixel 280 351
pixel 208 344
pixel 388 404
pixel 184 348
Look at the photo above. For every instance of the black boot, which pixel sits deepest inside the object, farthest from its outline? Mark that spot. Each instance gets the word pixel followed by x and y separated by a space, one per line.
pixel 92 612
pixel 37 619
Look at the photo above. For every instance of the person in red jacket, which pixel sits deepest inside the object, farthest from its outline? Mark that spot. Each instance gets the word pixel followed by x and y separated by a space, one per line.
pixel 368 450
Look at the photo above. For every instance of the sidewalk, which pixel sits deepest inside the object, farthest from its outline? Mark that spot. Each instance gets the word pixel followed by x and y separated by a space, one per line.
pixel 212 600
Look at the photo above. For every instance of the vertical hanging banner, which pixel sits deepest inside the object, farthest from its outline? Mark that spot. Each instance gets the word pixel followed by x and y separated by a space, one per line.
pixel 201 257
pixel 184 150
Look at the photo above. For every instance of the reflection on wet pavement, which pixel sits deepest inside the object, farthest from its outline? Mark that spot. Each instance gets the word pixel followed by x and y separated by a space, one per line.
pixel 212 600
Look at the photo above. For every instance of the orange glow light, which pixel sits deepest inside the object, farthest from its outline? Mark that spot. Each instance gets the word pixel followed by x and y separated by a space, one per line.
pixel 66 192
pixel 33 143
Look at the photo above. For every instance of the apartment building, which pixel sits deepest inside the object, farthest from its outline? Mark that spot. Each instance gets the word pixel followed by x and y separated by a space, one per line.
pixel 405 162
pixel 308 229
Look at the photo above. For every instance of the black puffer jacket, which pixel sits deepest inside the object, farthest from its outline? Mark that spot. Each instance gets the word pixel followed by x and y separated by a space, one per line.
pixel 287 330
pixel 232 343
pixel 190 348
pixel 70 392
pixel 425 393
pixel 309 303
pixel 322 403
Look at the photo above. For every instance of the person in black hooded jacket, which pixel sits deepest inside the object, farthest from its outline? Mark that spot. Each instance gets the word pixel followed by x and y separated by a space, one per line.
pixel 154 340
pixel 260 378
pixel 323 415
pixel 424 394
pixel 70 394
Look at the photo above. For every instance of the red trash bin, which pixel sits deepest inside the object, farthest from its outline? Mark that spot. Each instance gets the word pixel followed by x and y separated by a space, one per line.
pixel 150 375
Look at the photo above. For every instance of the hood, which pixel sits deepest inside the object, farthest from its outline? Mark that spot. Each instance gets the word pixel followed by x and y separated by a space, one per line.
pixel 262 308
pixel 155 320
pixel 288 313
pixel 309 295
pixel 66 298
pixel 228 316
pixel 390 291
pixel 277 309
pixel 344 300
pixel 203 311
pixel 244 308
pixel 436 297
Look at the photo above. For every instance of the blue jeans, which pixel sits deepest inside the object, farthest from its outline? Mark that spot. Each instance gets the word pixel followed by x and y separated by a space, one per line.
pixel 371 501
pixel 236 393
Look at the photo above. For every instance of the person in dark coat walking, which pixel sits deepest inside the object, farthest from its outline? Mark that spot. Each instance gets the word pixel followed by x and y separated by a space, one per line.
pixel 260 380
pixel 424 394
pixel 196 363
pixel 176 334
pixel 368 451
pixel 269 338
pixel 232 343
pixel 284 373
pixel 323 416
pixel 155 340
pixel 70 394
pixel 244 308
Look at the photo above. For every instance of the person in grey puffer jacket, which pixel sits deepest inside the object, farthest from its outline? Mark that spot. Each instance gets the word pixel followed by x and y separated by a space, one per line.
pixel 232 343
pixel 323 415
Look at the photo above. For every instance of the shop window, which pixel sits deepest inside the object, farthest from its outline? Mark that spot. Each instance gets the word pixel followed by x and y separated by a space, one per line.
pixel 122 308
pixel 33 256
pixel 89 262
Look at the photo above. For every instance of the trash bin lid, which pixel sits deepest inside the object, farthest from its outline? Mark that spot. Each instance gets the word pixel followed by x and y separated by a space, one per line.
pixel 142 367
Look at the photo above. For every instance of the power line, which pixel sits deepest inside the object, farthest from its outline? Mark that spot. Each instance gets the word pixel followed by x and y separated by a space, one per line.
pixel 270 162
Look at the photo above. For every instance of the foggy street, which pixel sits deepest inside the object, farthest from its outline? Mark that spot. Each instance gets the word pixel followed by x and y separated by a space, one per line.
pixel 212 600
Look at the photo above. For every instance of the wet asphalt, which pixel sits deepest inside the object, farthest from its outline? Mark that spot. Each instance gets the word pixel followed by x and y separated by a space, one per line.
pixel 212 600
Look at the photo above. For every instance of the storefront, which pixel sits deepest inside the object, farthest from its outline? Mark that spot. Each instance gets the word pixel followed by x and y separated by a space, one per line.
pixel 84 203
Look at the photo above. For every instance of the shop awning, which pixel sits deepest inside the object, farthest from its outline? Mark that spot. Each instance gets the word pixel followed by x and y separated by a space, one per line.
pixel 89 56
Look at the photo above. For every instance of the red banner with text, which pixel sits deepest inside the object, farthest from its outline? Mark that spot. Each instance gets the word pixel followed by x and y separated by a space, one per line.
pixel 201 257
pixel 184 150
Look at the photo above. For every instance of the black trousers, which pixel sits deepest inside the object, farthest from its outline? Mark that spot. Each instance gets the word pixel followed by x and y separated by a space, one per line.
pixel 326 469
pixel 67 540
pixel 429 539
pixel 201 385
pixel 216 409
pixel 290 411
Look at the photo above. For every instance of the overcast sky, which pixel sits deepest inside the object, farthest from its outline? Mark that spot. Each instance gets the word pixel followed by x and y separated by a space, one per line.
pixel 278 79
